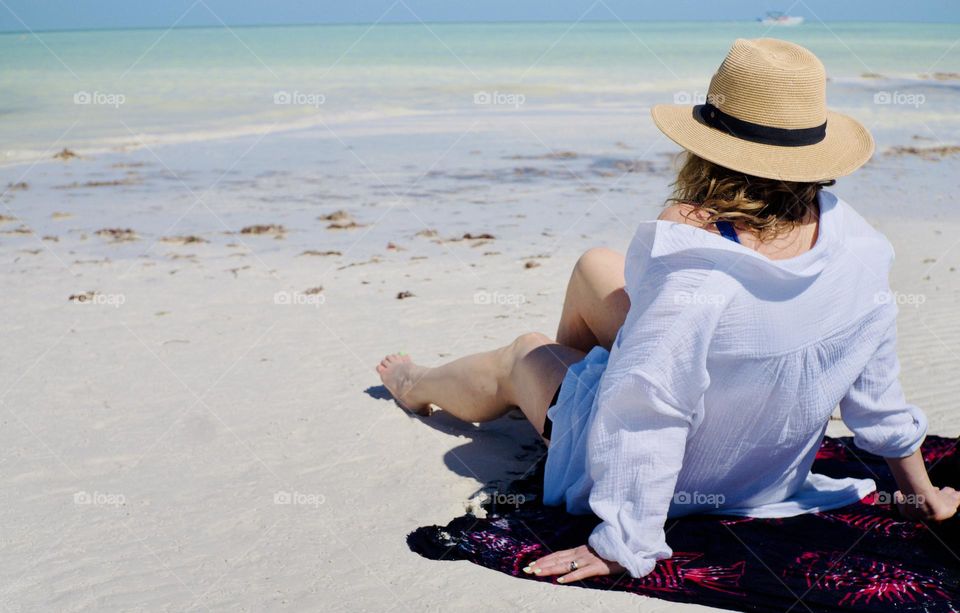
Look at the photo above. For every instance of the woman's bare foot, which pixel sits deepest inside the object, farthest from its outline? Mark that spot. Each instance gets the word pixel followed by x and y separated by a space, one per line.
pixel 399 374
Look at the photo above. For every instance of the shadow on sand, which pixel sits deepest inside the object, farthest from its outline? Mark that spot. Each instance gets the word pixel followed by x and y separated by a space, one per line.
pixel 495 453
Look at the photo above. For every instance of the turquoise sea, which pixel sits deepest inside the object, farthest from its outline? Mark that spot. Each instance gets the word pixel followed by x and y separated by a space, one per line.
pixel 103 90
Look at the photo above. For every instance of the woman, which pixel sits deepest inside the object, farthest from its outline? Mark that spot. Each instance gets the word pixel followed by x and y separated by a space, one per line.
pixel 698 373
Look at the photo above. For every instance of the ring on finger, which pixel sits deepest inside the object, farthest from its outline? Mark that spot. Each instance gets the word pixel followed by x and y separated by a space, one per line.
pixel 573 565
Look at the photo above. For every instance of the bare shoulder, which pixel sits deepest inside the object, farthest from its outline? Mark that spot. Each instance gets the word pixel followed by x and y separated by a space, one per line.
pixel 682 212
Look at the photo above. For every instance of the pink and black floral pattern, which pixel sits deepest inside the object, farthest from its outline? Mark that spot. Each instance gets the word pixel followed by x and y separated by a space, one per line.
pixel 863 557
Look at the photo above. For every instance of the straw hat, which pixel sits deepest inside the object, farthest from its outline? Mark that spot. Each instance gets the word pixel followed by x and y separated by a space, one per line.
pixel 766 115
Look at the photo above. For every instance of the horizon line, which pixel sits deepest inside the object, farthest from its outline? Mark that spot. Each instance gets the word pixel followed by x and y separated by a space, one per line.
pixel 442 22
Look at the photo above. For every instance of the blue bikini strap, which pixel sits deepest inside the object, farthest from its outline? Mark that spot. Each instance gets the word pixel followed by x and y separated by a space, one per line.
pixel 727 231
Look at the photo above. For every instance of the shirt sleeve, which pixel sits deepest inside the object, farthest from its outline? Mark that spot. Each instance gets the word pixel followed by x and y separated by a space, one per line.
pixel 638 439
pixel 647 405
pixel 882 421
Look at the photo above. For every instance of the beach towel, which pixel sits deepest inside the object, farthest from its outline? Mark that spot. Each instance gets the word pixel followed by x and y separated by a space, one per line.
pixel 862 557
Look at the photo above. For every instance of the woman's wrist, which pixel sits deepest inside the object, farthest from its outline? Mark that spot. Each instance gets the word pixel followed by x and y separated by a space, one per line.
pixel 911 476
pixel 920 502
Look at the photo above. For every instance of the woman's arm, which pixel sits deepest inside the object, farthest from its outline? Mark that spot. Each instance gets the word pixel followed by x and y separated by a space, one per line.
pixel 637 442
pixel 649 399
pixel 918 498
pixel 885 424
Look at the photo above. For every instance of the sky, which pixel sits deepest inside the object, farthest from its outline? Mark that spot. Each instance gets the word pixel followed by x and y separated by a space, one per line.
pixel 22 15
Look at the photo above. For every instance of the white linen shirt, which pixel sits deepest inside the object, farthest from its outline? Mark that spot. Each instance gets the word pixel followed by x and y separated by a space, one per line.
pixel 719 386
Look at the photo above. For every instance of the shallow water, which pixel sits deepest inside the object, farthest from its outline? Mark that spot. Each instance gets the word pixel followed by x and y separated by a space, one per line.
pixel 103 90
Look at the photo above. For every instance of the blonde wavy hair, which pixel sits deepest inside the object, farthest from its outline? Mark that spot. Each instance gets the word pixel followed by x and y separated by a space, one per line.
pixel 765 207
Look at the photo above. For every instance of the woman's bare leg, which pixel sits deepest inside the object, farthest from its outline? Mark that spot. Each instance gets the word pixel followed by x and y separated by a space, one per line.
pixel 596 304
pixel 484 386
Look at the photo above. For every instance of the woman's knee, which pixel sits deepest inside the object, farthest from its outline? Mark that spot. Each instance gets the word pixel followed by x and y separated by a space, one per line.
pixel 597 304
pixel 520 350
pixel 537 364
pixel 524 344
pixel 597 260
pixel 511 362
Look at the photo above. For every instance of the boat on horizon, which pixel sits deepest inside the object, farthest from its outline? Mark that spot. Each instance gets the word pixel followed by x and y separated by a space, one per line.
pixel 777 18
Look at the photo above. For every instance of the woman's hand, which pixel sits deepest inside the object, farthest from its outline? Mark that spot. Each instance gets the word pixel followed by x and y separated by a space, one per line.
pixel 937 505
pixel 574 565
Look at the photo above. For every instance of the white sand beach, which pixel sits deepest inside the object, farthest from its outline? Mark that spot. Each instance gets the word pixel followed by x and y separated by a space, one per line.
pixel 191 318
pixel 167 389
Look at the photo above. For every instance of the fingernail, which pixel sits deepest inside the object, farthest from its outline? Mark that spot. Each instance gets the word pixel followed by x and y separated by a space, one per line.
pixel 527 569
pixel 537 571
pixel 560 580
